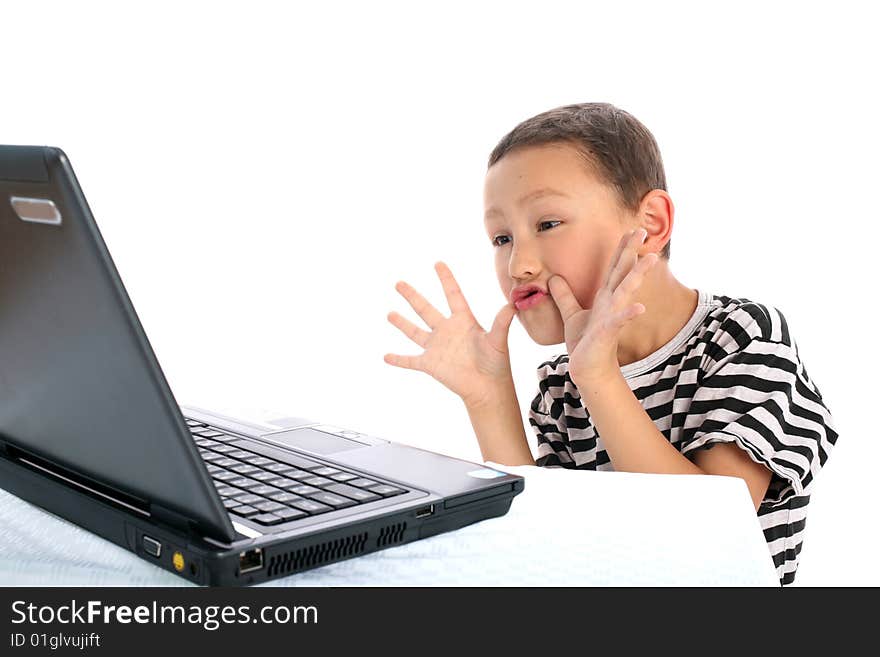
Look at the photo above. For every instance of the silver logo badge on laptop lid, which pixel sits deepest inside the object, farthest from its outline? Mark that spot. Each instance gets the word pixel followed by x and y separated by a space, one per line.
pixel 36 210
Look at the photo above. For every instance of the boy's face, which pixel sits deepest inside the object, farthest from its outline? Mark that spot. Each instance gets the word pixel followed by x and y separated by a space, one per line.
pixel 573 234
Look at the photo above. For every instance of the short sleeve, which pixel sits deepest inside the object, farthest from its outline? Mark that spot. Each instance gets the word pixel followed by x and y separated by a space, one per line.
pixel 547 419
pixel 761 399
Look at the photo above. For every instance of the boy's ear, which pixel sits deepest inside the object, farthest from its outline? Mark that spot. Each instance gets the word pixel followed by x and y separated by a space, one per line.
pixel 656 215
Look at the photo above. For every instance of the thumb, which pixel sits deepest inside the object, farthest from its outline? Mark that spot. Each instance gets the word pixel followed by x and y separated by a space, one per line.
pixel 501 326
pixel 565 300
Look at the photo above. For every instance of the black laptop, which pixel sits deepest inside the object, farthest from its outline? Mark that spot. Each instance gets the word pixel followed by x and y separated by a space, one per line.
pixel 90 431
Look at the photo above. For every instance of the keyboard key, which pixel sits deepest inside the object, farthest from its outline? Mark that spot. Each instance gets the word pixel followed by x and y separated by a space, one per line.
pixel 226 491
pixel 267 519
pixel 204 442
pixel 268 506
pixel 291 514
pixel 245 510
pixel 231 504
pixel 325 471
pixel 358 494
pixel 264 490
pixel 386 491
pixel 226 462
pixel 303 489
pixel 261 461
pixel 194 423
pixel 343 476
pixel 311 506
pixel 225 475
pixel 317 481
pixel 336 501
pixel 279 468
pixel 249 498
pixel 206 433
pixel 298 474
pixel 236 453
pixel 264 476
pixel 284 498
pixel 225 438
pixel 281 482
pixel 363 483
pixel 226 449
pixel 249 486
pixel 213 468
pixel 211 457
pixel 244 468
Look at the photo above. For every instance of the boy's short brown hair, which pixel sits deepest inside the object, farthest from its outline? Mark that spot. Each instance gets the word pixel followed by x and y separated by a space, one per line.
pixel 615 145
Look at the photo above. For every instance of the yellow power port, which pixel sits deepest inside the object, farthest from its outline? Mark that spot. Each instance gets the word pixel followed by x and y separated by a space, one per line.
pixel 178 561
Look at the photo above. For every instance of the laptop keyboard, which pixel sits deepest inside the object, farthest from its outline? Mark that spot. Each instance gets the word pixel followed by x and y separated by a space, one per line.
pixel 269 491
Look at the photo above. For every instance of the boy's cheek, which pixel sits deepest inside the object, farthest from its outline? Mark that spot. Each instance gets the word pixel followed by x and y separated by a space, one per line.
pixel 586 286
pixel 587 278
pixel 585 298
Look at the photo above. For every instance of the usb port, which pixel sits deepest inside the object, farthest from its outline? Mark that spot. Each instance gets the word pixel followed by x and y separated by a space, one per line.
pixel 250 561
pixel 425 511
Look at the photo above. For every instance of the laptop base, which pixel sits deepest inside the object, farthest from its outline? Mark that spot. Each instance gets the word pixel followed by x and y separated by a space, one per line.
pixel 247 561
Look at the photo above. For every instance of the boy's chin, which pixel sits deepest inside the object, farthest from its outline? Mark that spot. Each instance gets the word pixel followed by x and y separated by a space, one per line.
pixel 546 330
pixel 547 338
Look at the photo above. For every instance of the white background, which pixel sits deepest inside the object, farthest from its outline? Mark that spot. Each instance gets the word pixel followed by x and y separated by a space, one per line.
pixel 264 174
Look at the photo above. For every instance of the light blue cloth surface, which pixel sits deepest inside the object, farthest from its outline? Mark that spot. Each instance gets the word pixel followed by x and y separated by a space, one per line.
pixel 568 528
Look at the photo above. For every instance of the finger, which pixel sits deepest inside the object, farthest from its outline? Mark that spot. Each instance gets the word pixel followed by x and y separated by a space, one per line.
pixel 634 278
pixel 410 330
pixel 628 258
pixel 633 310
pixel 501 326
pixel 625 261
pixel 407 362
pixel 418 303
pixel 454 296
pixel 621 245
pixel 563 296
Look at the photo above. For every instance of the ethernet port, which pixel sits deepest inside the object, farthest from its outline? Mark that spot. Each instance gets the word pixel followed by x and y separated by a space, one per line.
pixel 250 561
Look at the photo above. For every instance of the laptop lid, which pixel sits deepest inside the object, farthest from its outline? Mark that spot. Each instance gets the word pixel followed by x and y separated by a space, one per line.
pixel 80 386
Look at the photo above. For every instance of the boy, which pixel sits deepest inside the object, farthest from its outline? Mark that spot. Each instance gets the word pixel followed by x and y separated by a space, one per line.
pixel 657 377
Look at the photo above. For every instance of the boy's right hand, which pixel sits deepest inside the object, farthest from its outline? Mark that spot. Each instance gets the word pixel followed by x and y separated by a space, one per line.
pixel 458 352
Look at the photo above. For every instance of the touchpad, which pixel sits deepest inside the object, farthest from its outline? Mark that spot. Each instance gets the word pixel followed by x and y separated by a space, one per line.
pixel 313 441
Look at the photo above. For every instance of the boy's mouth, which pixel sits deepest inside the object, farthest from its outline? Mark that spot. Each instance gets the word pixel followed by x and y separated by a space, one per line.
pixel 532 298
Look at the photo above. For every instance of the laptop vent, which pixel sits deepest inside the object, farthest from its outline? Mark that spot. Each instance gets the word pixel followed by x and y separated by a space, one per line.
pixel 316 555
pixel 391 534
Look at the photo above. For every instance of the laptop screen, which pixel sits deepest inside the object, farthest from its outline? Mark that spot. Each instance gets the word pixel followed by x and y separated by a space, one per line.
pixel 79 383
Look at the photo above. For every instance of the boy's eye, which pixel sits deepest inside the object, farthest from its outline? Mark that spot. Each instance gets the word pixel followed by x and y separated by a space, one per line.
pixel 540 223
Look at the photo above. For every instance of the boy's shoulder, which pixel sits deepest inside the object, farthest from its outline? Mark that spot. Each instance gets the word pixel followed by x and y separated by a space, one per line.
pixel 737 321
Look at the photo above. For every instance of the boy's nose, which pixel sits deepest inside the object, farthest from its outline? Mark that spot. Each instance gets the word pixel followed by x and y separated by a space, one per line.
pixel 524 263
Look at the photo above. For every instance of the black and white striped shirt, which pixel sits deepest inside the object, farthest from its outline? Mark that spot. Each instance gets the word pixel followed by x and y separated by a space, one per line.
pixel 732 374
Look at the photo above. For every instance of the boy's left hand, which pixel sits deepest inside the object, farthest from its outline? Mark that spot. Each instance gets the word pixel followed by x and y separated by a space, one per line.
pixel 591 336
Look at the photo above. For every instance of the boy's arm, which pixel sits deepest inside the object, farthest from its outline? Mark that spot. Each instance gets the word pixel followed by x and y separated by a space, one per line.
pixel 631 438
pixel 634 444
pixel 499 427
